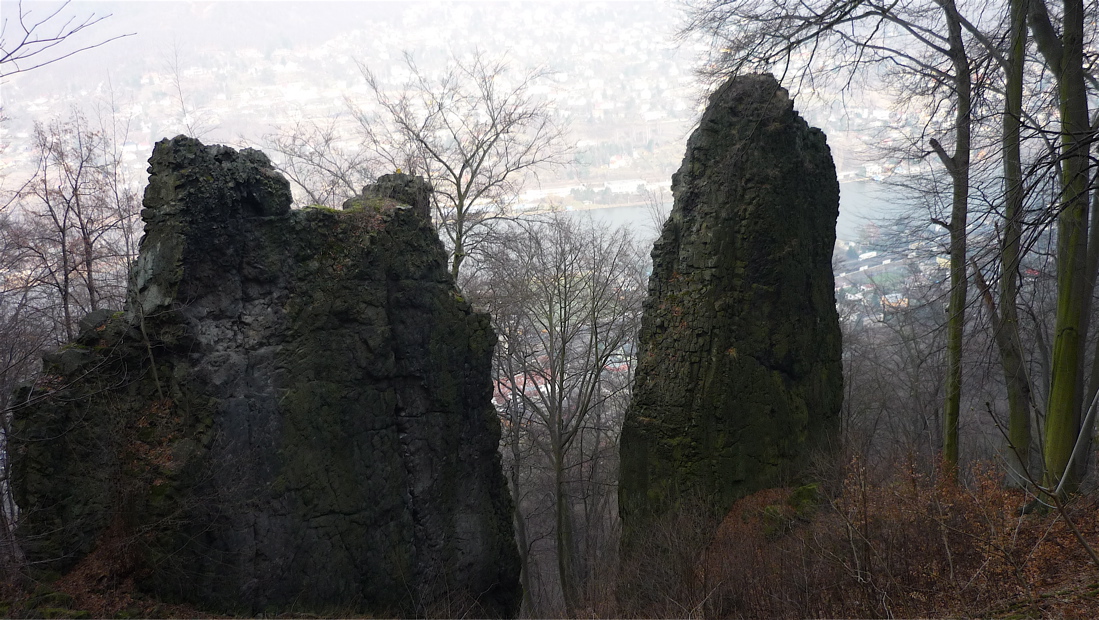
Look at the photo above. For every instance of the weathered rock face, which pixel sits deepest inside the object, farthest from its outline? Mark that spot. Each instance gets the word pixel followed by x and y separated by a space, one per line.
pixel 293 413
pixel 739 372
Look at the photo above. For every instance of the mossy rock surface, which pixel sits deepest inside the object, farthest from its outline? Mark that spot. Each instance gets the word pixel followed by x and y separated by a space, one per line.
pixel 739 373
pixel 293 412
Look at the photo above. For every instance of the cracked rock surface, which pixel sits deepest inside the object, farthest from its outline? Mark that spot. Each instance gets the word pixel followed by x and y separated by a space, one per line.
pixel 293 412
pixel 739 371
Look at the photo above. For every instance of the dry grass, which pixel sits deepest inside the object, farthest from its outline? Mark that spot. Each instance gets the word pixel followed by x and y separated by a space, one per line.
pixel 897 544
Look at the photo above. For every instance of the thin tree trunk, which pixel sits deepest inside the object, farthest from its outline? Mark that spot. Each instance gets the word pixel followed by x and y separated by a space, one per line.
pixel 1007 327
pixel 459 256
pixel 459 252
pixel 89 274
pixel 66 287
pixel 564 532
pixel 958 166
pixel 1093 273
pixel 527 608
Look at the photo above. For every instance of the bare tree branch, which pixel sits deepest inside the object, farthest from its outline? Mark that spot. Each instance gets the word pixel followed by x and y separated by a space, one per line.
pixel 473 131
pixel 36 42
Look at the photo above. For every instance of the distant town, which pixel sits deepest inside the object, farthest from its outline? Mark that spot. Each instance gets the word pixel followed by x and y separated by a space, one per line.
pixel 613 71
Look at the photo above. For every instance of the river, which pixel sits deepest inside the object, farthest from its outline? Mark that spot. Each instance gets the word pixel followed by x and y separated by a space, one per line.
pixel 860 202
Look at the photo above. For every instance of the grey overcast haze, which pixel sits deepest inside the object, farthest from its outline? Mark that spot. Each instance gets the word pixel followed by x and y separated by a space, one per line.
pixel 238 73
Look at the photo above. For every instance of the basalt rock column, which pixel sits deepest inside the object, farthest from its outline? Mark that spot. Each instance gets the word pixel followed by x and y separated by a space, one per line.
pixel 292 414
pixel 739 372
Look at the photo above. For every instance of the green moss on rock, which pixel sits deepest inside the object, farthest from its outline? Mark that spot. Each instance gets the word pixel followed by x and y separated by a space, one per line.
pixel 739 374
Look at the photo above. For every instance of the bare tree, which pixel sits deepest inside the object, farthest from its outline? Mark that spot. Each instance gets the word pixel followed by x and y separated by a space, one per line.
pixel 120 192
pixel 1005 313
pixel 1063 49
pixel 322 160
pixel 566 300
pixel 894 357
pixel 75 241
pixel 473 131
pixel 30 41
pixel 193 118
pixel 23 335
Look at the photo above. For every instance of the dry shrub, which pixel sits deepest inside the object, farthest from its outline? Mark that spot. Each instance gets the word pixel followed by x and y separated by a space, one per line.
pixel 898 544
pixel 661 575
pixel 102 585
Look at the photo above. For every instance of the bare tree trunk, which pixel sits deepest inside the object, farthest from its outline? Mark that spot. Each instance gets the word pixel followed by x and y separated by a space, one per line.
pixel 66 286
pixel 527 607
pixel 1088 430
pixel 563 523
pixel 88 250
pixel 958 167
pixel 1007 325
pixel 458 237
pixel 1065 57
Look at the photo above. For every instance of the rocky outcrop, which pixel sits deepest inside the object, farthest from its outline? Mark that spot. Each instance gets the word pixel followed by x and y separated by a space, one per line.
pixel 739 373
pixel 293 413
pixel 392 189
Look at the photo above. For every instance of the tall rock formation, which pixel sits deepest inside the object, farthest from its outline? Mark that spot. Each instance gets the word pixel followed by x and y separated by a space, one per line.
pixel 739 373
pixel 293 413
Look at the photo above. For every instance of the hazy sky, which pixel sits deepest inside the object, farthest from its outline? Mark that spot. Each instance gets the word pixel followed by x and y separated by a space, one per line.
pixel 158 24
pixel 161 29
pixel 326 38
pixel 583 39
